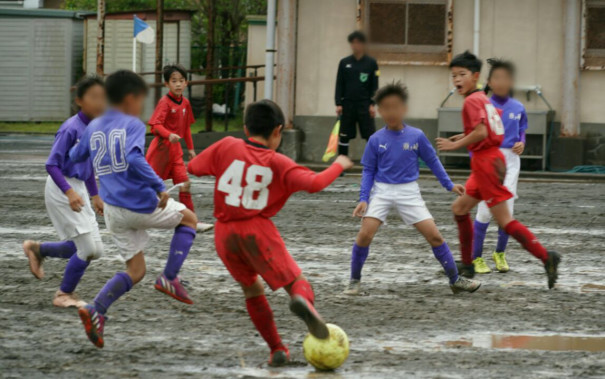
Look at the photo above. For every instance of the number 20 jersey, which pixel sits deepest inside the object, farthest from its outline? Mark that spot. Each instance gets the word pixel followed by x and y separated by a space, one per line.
pixel 478 109
pixel 251 179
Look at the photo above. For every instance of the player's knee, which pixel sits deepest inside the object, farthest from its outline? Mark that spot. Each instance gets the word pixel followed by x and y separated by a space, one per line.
pixel 365 237
pixel 137 273
pixel 435 239
pixel 458 209
pixel 189 218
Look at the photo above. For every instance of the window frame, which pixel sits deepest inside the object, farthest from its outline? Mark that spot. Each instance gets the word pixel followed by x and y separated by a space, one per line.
pixel 590 59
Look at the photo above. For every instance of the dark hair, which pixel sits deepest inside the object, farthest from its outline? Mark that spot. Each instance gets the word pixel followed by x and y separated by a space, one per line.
pixel 392 89
pixel 123 83
pixel 262 117
pixel 499 64
pixel 170 69
pixel 87 82
pixel 467 60
pixel 357 35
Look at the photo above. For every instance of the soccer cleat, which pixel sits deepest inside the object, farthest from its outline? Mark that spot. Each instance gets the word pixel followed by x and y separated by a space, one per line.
pixel 467 271
pixel 204 227
pixel 480 266
pixel 552 262
pixel 66 300
pixel 465 285
pixel 500 260
pixel 93 322
pixel 173 288
pixel 34 257
pixel 353 288
pixel 306 312
pixel 279 357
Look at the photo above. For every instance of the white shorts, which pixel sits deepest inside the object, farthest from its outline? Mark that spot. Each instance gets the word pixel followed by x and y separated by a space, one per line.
pixel 406 198
pixel 68 223
pixel 129 229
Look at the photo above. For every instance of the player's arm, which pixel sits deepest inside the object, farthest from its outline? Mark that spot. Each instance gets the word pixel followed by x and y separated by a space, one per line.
pixel 203 163
pixel 56 159
pixel 375 75
pixel 299 178
pixel 519 146
pixel 429 156
pixel 188 137
pixel 137 164
pixel 370 166
pixel 158 120
pixel 81 150
pixel 478 134
pixel 338 92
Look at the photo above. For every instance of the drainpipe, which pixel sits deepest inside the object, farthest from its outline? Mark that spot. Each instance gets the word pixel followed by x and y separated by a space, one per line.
pixel 270 49
pixel 286 58
pixel 476 28
pixel 570 117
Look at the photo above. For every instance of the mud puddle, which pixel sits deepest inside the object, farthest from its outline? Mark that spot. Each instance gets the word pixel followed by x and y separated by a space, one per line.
pixel 555 342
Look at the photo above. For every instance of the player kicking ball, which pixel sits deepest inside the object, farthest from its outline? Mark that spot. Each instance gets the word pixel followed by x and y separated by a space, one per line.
pixel 135 199
pixel 389 180
pixel 483 135
pixel 253 182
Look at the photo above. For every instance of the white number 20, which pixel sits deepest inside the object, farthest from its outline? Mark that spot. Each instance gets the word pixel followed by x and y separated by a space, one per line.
pixel 258 179
pixel 495 122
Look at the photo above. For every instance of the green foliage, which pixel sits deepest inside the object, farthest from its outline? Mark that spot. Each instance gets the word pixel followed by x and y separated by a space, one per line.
pixel 125 5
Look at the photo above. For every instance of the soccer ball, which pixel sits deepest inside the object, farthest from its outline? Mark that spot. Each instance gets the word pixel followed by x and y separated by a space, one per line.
pixel 329 353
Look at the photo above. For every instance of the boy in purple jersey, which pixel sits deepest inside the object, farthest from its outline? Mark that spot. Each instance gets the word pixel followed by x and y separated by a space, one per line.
pixel 135 198
pixel 68 188
pixel 500 82
pixel 390 170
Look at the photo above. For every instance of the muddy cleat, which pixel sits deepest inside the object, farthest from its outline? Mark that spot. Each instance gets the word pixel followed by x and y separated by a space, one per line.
pixel 279 357
pixel 465 285
pixel 32 252
pixel 93 322
pixel 468 271
pixel 500 260
pixel 66 300
pixel 306 312
pixel 480 266
pixel 173 288
pixel 552 262
pixel 204 227
pixel 353 288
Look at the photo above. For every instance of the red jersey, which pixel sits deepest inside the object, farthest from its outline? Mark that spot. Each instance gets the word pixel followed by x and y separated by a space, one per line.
pixel 253 180
pixel 173 115
pixel 477 110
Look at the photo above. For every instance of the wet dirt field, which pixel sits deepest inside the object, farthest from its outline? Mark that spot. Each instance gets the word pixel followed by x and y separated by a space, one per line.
pixel 407 324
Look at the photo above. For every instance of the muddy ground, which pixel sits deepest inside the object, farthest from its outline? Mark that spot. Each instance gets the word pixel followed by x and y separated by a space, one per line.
pixel 402 327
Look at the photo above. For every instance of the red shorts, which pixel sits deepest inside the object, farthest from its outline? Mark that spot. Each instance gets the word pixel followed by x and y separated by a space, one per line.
pixel 166 159
pixel 253 247
pixel 488 169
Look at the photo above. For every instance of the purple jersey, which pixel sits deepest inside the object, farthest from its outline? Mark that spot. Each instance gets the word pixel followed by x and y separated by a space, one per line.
pixel 116 144
pixel 514 119
pixel 392 157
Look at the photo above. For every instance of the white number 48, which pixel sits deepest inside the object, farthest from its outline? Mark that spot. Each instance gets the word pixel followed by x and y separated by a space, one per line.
pixel 495 122
pixel 258 179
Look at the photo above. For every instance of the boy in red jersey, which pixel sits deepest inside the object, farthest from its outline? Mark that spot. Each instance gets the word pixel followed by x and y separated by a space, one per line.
pixel 253 182
pixel 483 135
pixel 171 121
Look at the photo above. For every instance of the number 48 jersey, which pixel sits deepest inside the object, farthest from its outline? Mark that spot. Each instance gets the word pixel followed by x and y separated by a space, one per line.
pixel 478 109
pixel 251 179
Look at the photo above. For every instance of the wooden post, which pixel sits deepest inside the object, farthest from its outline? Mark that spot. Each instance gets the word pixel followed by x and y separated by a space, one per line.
pixel 211 11
pixel 159 46
pixel 100 36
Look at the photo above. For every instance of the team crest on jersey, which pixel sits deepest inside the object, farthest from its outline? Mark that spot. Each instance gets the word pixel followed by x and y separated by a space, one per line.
pixel 184 110
pixel 173 110
pixel 363 77
pixel 513 116
pixel 408 147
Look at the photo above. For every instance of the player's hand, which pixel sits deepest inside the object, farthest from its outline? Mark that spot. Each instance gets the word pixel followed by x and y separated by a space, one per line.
pixel 97 204
pixel 75 201
pixel 173 138
pixel 164 196
pixel 458 189
pixel 518 148
pixel 360 209
pixel 344 161
pixel 444 144
pixel 339 110
pixel 456 137
pixel 191 154
pixel 372 111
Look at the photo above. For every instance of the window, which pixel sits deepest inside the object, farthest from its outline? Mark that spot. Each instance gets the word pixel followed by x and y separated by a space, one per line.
pixel 593 29
pixel 410 31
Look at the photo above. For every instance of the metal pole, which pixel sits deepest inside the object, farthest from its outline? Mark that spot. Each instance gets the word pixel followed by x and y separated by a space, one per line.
pixel 286 58
pixel 476 27
pixel 100 36
pixel 570 120
pixel 270 49
pixel 134 55
pixel 159 45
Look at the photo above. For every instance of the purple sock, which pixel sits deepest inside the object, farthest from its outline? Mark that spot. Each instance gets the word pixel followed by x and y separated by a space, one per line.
pixel 480 231
pixel 358 258
pixel 179 248
pixel 113 289
pixel 73 273
pixel 502 240
pixel 445 257
pixel 63 249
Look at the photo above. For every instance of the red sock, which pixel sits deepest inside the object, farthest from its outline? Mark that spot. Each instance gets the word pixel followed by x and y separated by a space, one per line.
pixel 465 235
pixel 262 317
pixel 302 288
pixel 185 198
pixel 526 238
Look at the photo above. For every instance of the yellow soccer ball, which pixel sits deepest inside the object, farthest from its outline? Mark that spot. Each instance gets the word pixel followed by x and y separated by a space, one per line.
pixel 329 353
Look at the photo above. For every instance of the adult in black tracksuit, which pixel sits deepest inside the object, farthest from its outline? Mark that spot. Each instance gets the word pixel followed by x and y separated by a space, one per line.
pixel 356 83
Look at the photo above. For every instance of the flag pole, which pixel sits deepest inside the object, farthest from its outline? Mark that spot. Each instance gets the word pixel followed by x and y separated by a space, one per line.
pixel 134 54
